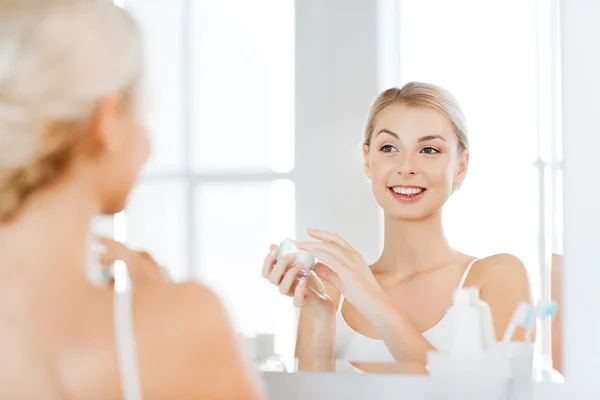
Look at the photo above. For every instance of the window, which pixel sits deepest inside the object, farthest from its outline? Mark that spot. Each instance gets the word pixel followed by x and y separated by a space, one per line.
pixel 218 186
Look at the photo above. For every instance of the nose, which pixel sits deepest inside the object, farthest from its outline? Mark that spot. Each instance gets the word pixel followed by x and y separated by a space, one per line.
pixel 407 165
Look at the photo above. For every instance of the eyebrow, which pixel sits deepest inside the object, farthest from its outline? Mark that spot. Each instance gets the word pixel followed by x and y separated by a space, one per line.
pixel 430 137
pixel 420 140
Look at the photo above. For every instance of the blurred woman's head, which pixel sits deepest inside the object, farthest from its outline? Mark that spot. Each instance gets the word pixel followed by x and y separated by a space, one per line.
pixel 70 74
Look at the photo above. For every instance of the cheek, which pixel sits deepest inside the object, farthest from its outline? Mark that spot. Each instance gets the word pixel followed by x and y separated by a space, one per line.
pixel 140 143
pixel 440 174
pixel 381 170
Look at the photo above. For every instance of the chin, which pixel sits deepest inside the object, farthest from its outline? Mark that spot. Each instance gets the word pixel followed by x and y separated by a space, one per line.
pixel 113 207
pixel 428 206
pixel 411 212
pixel 411 217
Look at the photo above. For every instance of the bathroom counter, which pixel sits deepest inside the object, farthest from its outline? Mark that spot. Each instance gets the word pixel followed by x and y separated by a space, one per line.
pixel 323 386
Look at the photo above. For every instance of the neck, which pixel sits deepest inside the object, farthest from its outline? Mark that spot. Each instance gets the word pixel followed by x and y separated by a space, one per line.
pixel 411 247
pixel 48 239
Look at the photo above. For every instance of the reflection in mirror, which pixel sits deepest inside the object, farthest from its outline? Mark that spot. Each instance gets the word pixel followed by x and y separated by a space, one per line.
pixel 257 116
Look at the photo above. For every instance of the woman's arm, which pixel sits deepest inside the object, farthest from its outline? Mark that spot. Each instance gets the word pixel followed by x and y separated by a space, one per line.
pixel 347 271
pixel 402 338
pixel 315 343
pixel 504 285
pixel 317 300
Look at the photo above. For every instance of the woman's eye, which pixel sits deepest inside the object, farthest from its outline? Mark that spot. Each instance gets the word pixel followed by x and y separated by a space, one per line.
pixel 429 150
pixel 388 148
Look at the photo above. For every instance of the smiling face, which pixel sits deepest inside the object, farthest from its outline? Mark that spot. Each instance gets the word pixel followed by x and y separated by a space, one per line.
pixel 414 161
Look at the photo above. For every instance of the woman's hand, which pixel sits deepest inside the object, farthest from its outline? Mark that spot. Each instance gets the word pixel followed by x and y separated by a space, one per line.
pixel 306 289
pixel 141 266
pixel 346 269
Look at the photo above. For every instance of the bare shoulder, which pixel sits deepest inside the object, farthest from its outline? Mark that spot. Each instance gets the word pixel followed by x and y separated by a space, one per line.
pixel 502 268
pixel 505 284
pixel 186 308
pixel 187 346
pixel 190 302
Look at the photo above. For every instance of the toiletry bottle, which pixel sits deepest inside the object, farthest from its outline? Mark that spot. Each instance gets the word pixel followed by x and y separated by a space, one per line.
pixel 487 324
pixel 267 359
pixel 467 328
pixel 472 367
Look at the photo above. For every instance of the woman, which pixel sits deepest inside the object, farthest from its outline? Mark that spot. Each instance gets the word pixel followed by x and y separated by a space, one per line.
pixel 71 146
pixel 416 154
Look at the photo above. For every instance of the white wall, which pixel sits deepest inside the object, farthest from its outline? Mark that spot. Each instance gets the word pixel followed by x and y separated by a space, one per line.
pixel 336 79
pixel 581 104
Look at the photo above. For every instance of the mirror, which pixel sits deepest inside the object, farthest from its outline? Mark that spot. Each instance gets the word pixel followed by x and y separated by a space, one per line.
pixel 257 116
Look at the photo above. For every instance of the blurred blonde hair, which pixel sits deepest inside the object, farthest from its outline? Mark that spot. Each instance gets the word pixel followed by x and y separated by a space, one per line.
pixel 58 58
pixel 418 94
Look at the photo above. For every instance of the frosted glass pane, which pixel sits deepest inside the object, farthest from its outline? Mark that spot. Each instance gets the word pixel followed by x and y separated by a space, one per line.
pixel 243 85
pixel 497 211
pixel 236 223
pixel 162 26
pixel 485 53
pixel 156 221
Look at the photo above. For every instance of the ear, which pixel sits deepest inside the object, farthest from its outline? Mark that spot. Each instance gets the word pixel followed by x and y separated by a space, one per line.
pixel 104 130
pixel 462 168
pixel 367 160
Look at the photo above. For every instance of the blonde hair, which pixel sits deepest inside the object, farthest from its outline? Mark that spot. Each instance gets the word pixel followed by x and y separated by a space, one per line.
pixel 418 94
pixel 58 58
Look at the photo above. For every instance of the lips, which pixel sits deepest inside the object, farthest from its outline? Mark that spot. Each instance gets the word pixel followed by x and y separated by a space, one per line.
pixel 407 193
pixel 407 190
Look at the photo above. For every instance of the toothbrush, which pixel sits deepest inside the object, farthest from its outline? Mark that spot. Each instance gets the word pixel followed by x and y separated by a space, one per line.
pixel 546 310
pixel 543 310
pixel 529 330
pixel 523 316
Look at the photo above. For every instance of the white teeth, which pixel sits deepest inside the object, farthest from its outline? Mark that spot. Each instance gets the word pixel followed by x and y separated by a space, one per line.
pixel 407 191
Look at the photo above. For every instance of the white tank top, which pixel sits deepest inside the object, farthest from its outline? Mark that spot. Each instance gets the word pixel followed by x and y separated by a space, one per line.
pixel 124 335
pixel 352 346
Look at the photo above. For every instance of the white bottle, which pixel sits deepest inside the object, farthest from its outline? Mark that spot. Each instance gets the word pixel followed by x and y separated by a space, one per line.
pixel 472 367
pixel 487 324
pixel 465 314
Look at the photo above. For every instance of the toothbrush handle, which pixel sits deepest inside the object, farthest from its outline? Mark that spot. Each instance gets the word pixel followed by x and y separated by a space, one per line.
pixel 510 331
pixel 529 331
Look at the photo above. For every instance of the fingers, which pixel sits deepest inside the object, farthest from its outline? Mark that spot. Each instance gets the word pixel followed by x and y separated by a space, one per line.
pixel 299 292
pixel 141 266
pixel 110 244
pixel 315 282
pixel 327 274
pixel 114 251
pixel 107 258
pixel 289 280
pixel 269 261
pixel 329 253
pixel 280 268
pixel 329 237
